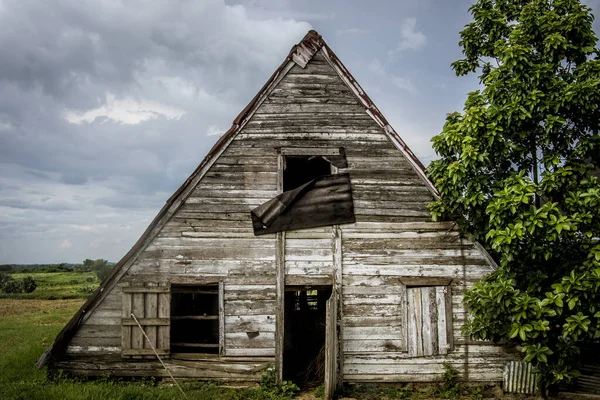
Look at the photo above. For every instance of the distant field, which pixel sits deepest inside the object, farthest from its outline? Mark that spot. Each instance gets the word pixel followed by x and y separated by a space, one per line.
pixel 58 285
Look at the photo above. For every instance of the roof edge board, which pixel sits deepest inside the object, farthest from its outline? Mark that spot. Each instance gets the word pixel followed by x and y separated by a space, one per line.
pixel 378 117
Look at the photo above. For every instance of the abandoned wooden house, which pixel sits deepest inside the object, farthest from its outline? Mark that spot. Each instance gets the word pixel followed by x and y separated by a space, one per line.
pixel 303 240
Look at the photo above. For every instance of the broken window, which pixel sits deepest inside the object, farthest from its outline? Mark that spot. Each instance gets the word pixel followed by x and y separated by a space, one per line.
pixel 312 196
pixel 428 320
pixel 195 319
pixel 299 170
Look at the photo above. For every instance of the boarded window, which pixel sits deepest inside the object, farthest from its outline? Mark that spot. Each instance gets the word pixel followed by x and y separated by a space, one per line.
pixel 195 316
pixel 428 320
pixel 149 303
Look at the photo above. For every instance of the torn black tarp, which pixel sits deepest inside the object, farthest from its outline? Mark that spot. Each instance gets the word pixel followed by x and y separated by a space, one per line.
pixel 324 201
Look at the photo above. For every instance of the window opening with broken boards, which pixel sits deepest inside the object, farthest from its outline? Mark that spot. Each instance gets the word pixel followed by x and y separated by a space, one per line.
pixel 195 319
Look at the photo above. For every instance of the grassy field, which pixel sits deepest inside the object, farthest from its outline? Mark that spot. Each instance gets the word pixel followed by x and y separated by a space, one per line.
pixel 27 327
pixel 58 285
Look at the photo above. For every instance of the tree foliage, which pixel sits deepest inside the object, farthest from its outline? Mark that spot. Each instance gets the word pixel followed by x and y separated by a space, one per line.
pixel 518 170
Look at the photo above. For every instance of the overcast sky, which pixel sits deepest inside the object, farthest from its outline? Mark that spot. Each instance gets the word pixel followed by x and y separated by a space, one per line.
pixel 107 106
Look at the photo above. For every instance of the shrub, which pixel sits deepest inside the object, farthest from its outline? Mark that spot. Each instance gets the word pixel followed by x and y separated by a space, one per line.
pixel 29 284
pixel 103 272
pixel 268 385
pixel 12 286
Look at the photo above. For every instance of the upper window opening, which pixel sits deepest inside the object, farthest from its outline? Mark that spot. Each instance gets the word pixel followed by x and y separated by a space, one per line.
pixel 195 319
pixel 302 169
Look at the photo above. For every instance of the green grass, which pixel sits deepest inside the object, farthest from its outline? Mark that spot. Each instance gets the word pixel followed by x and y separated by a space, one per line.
pixel 58 285
pixel 27 327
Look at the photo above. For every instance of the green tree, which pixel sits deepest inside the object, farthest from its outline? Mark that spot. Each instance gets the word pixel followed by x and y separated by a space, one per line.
pixel 102 268
pixel 29 284
pixel 516 169
pixel 12 286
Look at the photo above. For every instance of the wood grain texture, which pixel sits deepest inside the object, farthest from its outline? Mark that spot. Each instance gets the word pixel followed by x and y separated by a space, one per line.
pixel 373 263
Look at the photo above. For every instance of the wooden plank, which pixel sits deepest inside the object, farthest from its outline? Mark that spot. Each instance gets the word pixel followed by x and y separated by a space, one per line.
pixel 146 323
pixel 249 340
pixel 144 352
pixel 367 346
pixel 404 318
pixel 163 334
pixel 415 322
pixel 94 331
pixel 267 352
pixel 249 307
pixel 280 306
pixel 449 311
pixel 126 313
pixel 331 346
pixel 440 299
pixel 134 289
pixel 310 280
pixel 250 323
pixel 151 313
pixel 194 317
pixel 425 281
pixel 310 151
pixel 197 345
pixel 221 318
pixel 137 337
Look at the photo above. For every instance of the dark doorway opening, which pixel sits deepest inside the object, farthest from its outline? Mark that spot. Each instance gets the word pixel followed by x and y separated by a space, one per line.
pixel 304 338
pixel 302 169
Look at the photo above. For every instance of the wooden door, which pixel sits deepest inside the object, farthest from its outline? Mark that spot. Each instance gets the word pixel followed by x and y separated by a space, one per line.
pixel 331 346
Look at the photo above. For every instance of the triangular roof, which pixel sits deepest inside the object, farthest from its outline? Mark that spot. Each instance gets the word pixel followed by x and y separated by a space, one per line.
pixel 300 54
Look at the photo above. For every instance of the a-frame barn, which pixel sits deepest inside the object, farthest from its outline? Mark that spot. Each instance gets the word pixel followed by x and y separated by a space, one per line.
pixel 302 240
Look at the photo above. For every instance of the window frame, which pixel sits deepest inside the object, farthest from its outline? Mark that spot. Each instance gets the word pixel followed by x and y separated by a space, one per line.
pixel 220 315
pixel 444 284
pixel 302 152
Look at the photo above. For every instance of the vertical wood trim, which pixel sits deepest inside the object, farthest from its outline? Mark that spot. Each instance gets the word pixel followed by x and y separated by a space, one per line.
pixel 280 168
pixel 126 313
pixel 331 346
pixel 221 318
pixel 337 288
pixel 404 332
pixel 418 321
pixel 164 311
pixel 151 311
pixel 433 320
pixel 427 336
pixel 137 338
pixel 449 329
pixel 280 306
pixel 440 299
pixel 412 323
pixel 279 283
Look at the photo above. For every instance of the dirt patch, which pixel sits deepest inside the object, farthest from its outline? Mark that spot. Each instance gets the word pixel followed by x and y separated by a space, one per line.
pixel 10 307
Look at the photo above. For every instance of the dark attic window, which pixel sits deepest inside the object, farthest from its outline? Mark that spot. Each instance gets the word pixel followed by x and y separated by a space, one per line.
pixel 302 169
pixel 195 319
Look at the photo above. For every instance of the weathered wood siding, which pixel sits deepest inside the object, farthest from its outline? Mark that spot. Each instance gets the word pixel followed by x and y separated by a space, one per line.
pixel 210 239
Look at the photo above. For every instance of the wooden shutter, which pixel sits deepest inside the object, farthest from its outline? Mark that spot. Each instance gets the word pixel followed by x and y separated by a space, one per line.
pixel 429 320
pixel 151 305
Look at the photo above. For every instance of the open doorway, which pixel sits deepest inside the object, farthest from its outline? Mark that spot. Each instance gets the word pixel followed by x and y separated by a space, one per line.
pixel 304 338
